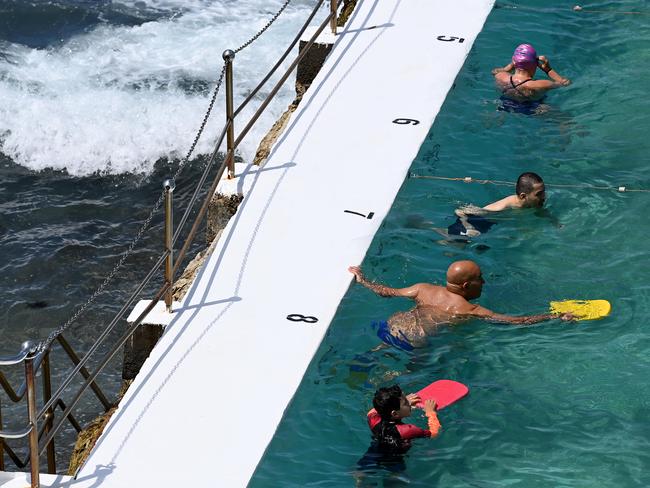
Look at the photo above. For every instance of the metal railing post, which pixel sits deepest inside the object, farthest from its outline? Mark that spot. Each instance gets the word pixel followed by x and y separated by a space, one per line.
pixel 333 9
pixel 169 186
pixel 49 414
pixel 229 56
pixel 32 414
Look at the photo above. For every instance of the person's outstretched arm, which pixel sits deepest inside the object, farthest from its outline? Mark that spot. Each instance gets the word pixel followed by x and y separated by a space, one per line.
pixel 485 314
pixel 382 290
pixel 505 203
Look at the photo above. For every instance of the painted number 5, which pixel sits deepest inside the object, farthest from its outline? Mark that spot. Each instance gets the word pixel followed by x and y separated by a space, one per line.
pixel 450 39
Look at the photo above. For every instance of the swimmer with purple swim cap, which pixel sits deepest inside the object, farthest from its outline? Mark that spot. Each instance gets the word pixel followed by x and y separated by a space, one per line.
pixel 520 85
pixel 525 57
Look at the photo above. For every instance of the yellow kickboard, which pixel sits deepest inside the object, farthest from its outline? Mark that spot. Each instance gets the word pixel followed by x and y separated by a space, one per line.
pixel 583 309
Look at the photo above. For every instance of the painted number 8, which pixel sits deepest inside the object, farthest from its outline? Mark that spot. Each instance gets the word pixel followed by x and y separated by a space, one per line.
pixel 296 317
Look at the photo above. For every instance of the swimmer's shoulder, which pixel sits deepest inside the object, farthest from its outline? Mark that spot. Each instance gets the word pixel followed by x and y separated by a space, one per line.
pixel 541 86
pixel 428 293
pixel 429 288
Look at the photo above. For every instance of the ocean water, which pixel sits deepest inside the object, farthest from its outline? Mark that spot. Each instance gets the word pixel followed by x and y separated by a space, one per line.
pixel 553 405
pixel 99 102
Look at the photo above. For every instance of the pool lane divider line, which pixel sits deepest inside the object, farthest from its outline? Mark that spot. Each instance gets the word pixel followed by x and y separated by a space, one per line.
pixel 469 179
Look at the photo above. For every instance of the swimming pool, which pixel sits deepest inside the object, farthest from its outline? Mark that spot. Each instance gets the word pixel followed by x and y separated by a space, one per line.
pixel 550 405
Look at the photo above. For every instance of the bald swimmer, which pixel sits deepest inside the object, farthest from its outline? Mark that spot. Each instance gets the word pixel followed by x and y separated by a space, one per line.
pixel 436 305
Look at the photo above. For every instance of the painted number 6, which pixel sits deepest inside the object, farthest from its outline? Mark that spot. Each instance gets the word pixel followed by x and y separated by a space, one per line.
pixel 406 121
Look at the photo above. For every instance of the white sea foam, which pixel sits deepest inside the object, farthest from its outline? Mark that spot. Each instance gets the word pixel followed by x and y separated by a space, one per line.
pixel 116 99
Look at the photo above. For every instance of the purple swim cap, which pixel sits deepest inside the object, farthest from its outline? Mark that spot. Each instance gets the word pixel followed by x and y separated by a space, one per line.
pixel 524 57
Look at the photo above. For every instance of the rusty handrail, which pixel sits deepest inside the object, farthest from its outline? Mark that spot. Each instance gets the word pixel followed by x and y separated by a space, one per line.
pixel 41 438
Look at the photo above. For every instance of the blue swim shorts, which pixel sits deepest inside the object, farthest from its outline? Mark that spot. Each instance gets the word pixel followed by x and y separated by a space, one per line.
pixel 479 223
pixel 383 332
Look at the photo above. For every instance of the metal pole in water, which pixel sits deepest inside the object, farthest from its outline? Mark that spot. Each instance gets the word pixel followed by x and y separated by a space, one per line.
pixel 333 9
pixel 169 186
pixel 229 56
pixel 32 414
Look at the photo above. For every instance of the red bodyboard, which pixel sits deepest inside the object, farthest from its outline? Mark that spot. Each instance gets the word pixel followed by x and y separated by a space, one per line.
pixel 444 392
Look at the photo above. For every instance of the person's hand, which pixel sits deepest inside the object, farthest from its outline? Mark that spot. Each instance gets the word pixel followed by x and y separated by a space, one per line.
pixel 567 317
pixel 460 212
pixel 358 274
pixel 430 406
pixel 565 82
pixel 413 399
pixel 544 64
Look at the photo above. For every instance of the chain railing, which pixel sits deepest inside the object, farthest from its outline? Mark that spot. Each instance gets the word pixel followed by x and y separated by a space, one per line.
pixel 36 356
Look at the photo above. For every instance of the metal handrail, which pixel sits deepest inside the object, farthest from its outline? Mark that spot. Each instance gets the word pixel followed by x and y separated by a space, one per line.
pixel 14 457
pixel 280 61
pixel 104 334
pixel 46 415
pixel 198 187
pixel 169 185
pixel 181 253
pixel 45 435
pixel 225 129
pixel 84 372
pixel 27 347
pixel 237 111
pixel 17 395
pixel 27 356
pixel 117 346
pixel 224 165
pixel 333 8
pixel 16 434
pixel 282 79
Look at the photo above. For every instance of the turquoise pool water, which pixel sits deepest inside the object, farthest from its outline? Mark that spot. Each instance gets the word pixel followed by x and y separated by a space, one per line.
pixel 558 404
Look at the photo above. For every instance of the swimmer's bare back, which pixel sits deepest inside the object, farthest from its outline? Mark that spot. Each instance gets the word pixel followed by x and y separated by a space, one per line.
pixel 417 324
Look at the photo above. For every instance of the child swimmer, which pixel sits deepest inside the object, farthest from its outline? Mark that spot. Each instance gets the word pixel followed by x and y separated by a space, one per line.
pixel 391 438
pixel 385 420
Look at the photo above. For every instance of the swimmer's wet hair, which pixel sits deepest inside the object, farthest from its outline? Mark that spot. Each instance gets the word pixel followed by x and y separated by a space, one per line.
pixel 526 181
pixel 386 400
